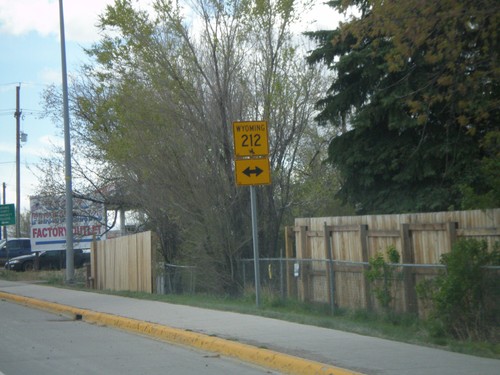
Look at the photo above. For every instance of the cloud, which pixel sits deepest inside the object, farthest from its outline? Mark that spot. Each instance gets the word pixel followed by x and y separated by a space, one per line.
pixel 21 17
pixel 51 141
pixel 49 76
pixel 7 148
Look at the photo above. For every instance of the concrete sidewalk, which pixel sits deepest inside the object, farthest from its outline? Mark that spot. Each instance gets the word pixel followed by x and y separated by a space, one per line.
pixel 289 347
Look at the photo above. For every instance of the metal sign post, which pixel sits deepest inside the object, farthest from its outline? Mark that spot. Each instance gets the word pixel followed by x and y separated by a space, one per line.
pixel 255 235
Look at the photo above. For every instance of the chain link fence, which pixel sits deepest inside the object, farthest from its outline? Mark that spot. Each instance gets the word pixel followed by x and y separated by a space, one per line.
pixel 339 284
pixel 306 280
pixel 273 275
pixel 175 279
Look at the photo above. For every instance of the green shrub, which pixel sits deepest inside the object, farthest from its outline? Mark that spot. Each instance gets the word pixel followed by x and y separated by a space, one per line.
pixel 466 297
pixel 381 275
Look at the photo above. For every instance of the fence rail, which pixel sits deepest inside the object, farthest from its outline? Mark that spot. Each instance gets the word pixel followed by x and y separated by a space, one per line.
pixel 283 277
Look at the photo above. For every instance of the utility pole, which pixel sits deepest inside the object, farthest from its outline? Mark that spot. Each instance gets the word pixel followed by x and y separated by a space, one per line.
pixel 70 262
pixel 4 227
pixel 18 168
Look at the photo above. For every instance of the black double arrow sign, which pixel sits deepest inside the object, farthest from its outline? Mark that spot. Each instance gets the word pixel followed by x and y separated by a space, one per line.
pixel 255 171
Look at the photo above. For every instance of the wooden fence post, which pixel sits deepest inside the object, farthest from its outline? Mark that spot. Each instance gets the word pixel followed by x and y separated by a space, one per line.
pixel 291 286
pixel 93 265
pixel 408 277
pixel 330 275
pixel 363 238
pixel 153 241
pixel 451 231
pixel 302 253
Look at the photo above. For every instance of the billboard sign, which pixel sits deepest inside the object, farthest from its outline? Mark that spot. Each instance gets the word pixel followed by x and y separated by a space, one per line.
pixel 48 222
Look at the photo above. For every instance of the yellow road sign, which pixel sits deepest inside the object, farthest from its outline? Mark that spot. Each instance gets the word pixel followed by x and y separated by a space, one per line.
pixel 253 171
pixel 250 138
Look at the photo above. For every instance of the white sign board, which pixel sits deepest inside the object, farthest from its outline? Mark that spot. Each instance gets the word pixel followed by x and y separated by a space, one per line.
pixel 48 223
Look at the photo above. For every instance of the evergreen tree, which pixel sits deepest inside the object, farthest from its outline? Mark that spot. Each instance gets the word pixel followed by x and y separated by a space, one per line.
pixel 416 88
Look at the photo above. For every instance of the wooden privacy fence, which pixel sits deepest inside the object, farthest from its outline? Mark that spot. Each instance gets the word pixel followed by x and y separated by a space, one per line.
pixel 345 244
pixel 124 263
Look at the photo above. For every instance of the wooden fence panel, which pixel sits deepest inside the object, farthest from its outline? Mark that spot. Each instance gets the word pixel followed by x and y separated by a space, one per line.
pixel 124 263
pixel 132 263
pixel 420 238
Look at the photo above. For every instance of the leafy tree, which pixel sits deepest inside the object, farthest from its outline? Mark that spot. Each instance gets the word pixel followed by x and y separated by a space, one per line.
pixel 313 180
pixel 93 178
pixel 416 87
pixel 157 102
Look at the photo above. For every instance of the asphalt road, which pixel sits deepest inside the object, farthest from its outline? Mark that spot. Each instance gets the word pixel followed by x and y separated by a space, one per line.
pixel 40 343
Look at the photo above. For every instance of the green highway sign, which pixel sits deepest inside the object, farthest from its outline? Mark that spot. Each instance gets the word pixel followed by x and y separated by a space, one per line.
pixel 7 214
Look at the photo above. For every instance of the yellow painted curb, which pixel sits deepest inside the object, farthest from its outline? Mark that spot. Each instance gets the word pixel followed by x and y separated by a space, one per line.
pixel 263 357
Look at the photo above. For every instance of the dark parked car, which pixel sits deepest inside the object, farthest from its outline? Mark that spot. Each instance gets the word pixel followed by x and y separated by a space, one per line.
pixel 55 259
pixel 15 246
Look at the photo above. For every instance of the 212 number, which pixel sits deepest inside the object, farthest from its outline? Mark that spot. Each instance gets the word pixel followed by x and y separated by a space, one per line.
pixel 252 140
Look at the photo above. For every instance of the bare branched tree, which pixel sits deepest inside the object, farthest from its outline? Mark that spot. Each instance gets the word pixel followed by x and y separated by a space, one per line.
pixel 156 106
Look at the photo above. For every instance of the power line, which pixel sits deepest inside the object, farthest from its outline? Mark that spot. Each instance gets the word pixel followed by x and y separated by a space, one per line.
pixel 24 112
pixel 10 84
pixel 5 84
